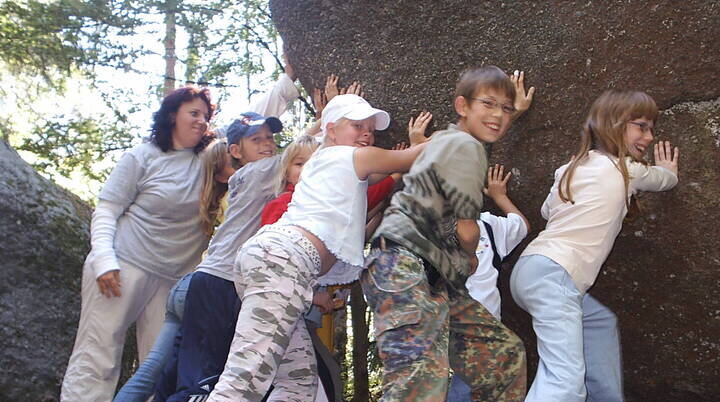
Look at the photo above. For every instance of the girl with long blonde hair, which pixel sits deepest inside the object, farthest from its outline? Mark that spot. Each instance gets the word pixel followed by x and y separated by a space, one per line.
pixel 217 170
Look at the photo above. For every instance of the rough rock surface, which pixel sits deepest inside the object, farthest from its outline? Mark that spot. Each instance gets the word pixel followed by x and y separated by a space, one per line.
pixel 44 238
pixel 662 278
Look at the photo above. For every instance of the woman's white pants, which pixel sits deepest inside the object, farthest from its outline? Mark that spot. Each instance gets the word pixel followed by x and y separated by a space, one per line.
pixel 94 367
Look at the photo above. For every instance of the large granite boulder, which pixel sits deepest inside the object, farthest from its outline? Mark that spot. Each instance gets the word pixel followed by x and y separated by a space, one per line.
pixel 44 238
pixel 662 277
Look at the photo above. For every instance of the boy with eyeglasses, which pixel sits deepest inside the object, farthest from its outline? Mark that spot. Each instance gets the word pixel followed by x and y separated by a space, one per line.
pixel 424 251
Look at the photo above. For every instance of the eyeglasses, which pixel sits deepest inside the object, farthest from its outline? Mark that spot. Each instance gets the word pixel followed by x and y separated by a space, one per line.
pixel 644 127
pixel 492 104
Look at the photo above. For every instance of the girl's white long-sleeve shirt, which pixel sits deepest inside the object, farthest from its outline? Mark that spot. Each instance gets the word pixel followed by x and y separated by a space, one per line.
pixel 580 235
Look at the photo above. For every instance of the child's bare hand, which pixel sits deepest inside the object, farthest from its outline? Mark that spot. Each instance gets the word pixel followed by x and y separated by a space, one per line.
pixel 319 101
pixel 331 88
pixel 400 146
pixel 666 157
pixel 355 88
pixel 324 301
pixel 497 183
pixel 417 127
pixel 522 99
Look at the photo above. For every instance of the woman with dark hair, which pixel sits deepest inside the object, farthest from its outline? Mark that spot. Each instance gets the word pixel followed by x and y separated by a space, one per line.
pixel 145 235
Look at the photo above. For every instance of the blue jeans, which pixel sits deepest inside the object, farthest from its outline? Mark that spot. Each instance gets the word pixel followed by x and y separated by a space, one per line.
pixel 141 385
pixel 459 391
pixel 577 337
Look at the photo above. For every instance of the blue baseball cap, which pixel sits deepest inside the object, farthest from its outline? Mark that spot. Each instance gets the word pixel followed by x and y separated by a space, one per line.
pixel 249 124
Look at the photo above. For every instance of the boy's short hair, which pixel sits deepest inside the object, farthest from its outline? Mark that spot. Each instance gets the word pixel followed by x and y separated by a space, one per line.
pixel 487 77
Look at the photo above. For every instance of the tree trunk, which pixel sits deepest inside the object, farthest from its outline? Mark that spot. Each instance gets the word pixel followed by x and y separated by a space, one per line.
pixel 340 343
pixel 169 41
pixel 358 308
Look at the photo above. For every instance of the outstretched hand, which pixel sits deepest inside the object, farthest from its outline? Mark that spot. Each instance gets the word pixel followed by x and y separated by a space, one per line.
pixel 319 101
pixel 523 100
pixel 417 127
pixel 497 183
pixel 355 88
pixel 666 157
pixel 331 88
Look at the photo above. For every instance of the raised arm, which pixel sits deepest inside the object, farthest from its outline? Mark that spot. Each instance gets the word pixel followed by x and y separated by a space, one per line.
pixel 417 127
pixel 666 157
pixel 275 101
pixel 497 190
pixel 523 100
pixel 331 88
pixel 319 101
pixel 661 177
pixel 369 160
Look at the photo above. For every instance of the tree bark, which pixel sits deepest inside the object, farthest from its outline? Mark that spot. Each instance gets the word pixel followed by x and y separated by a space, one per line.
pixel 169 41
pixel 358 308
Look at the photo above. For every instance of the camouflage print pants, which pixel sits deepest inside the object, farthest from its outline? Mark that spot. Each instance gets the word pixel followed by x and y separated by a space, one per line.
pixel 274 275
pixel 423 330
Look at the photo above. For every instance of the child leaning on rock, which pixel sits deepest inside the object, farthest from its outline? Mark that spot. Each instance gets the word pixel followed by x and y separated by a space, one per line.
pixel 418 263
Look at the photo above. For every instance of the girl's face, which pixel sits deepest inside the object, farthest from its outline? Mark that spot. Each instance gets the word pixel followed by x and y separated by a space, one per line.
pixel 296 165
pixel 638 136
pixel 191 121
pixel 486 116
pixel 257 146
pixel 356 133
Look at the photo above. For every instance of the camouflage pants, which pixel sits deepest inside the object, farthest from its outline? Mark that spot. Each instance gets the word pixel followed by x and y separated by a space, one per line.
pixel 274 275
pixel 422 330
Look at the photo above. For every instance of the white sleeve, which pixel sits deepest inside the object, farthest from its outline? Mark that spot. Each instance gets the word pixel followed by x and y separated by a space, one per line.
pixel 650 178
pixel 274 102
pixel 508 231
pixel 102 236
pixel 545 209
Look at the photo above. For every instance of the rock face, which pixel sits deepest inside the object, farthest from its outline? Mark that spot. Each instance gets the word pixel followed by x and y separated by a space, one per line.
pixel 662 278
pixel 44 238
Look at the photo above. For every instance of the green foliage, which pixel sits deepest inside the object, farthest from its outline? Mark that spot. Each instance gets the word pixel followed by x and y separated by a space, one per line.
pixel 44 38
pixel 64 145
pixel 42 44
pixel 227 38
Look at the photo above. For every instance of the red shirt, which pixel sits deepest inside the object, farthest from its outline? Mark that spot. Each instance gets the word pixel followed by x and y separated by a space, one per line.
pixel 277 207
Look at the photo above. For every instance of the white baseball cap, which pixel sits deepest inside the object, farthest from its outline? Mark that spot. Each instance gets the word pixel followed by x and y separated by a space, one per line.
pixel 352 107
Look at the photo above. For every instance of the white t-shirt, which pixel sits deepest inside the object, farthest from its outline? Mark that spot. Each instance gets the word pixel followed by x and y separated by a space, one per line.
pixel 330 201
pixel 580 235
pixel 508 232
